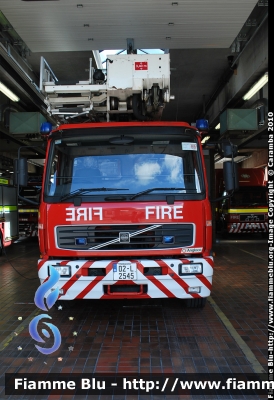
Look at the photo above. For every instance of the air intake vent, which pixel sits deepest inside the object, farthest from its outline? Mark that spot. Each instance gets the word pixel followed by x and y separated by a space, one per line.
pixel 107 237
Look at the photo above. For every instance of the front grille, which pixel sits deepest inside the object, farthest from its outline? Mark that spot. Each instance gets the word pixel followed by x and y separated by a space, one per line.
pixel 104 237
pixel 251 217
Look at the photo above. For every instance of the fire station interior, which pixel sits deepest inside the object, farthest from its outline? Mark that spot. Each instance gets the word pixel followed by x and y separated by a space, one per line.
pixel 218 52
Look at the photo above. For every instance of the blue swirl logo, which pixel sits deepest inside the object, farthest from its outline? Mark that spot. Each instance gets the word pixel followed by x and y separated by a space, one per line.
pixel 35 335
pixel 40 301
pixel 46 286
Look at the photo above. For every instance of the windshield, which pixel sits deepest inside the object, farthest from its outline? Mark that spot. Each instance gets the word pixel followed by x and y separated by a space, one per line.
pixel 250 196
pixel 152 166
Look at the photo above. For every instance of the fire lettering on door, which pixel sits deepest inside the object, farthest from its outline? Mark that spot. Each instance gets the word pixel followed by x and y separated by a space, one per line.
pixel 164 212
pixel 83 213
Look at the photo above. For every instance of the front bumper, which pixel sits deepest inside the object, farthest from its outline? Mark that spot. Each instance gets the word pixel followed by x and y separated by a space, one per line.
pixel 161 278
pixel 247 227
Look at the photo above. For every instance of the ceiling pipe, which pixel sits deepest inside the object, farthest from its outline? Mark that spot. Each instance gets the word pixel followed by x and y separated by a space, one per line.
pixel 4 109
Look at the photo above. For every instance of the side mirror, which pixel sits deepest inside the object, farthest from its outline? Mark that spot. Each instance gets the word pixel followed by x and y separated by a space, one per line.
pixel 231 180
pixel 20 167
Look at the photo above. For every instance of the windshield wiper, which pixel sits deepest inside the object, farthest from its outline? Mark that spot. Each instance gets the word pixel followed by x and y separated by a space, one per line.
pixel 151 190
pixel 85 191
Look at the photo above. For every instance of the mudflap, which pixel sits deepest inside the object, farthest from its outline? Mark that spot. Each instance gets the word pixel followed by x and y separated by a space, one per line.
pixel 196 303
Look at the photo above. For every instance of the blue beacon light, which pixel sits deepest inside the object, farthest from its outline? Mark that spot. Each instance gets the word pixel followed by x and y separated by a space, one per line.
pixel 202 124
pixel 45 128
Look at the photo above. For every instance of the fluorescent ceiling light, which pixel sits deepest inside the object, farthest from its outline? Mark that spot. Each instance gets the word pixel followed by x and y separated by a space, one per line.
pixel 205 139
pixel 237 159
pixel 8 92
pixel 255 88
pixel 218 126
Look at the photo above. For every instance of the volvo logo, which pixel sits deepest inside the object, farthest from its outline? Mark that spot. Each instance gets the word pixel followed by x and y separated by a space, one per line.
pixel 124 237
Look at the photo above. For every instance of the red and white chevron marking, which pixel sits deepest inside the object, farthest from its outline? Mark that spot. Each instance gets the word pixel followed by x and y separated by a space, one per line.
pixel 248 227
pixel 167 285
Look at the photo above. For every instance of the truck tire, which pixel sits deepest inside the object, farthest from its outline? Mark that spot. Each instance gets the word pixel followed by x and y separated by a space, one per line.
pixel 196 303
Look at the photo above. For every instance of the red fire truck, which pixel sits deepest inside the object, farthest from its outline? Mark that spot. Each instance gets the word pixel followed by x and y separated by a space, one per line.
pixel 28 213
pixel 8 214
pixel 246 211
pixel 124 211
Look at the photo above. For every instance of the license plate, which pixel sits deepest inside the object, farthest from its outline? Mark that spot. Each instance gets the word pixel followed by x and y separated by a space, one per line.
pixel 123 271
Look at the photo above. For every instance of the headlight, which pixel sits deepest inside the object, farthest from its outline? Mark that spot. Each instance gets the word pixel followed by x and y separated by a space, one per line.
pixel 63 270
pixel 190 269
